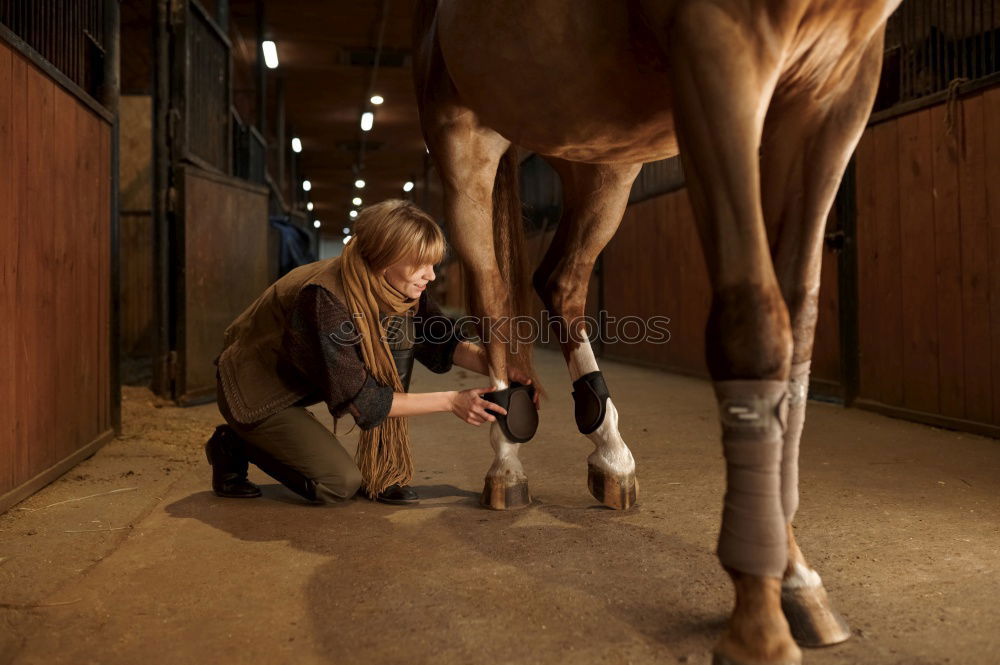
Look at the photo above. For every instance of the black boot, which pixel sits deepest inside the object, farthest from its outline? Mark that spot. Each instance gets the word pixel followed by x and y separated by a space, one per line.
pixel 400 495
pixel 229 465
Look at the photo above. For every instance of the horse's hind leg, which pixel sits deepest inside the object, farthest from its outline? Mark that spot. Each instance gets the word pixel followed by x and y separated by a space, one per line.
pixel 595 196
pixel 804 153
pixel 723 75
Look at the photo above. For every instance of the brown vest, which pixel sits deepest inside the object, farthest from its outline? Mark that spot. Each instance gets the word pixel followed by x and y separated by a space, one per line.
pixel 256 380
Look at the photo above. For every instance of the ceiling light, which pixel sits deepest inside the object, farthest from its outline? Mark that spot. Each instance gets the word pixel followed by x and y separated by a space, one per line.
pixel 347 231
pixel 270 54
pixel 347 239
pixel 377 99
pixel 306 185
pixel 353 214
pixel 296 144
pixel 356 200
pixel 408 186
pixel 359 183
pixel 367 120
pixel 317 224
pixel 309 206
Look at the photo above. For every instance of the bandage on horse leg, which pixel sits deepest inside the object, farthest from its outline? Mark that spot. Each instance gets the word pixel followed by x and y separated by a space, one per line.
pixel 753 539
pixel 590 399
pixel 798 395
pixel 521 421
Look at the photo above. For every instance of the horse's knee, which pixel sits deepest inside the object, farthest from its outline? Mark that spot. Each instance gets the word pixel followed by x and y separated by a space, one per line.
pixel 748 334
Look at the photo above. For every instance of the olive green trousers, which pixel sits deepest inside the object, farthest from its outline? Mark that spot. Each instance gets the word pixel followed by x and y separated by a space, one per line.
pixel 298 451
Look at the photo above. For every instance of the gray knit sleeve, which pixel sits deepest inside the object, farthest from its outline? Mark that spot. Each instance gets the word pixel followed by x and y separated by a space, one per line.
pixel 321 342
pixel 436 337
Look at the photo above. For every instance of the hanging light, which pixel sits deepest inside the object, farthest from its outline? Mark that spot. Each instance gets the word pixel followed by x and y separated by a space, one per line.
pixel 317 224
pixel 296 144
pixel 377 99
pixel 309 206
pixel 367 120
pixel 306 185
pixel 359 183
pixel 408 186
pixel 270 54
pixel 356 200
pixel 353 214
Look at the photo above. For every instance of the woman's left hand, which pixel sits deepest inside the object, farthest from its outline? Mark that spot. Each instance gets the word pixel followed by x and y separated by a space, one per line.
pixel 516 374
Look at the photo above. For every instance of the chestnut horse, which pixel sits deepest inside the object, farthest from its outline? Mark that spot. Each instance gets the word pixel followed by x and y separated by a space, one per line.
pixel 764 102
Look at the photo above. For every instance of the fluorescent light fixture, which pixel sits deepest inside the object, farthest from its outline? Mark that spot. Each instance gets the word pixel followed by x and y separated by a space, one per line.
pixel 347 239
pixel 353 214
pixel 306 185
pixel 359 183
pixel 377 99
pixel 367 120
pixel 408 186
pixel 296 144
pixel 347 231
pixel 309 206
pixel 317 224
pixel 356 200
pixel 270 54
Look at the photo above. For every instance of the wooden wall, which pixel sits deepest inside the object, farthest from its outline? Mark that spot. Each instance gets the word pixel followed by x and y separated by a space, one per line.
pixel 929 262
pixel 55 394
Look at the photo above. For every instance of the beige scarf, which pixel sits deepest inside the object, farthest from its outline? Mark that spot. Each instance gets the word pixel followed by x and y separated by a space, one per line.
pixel 383 454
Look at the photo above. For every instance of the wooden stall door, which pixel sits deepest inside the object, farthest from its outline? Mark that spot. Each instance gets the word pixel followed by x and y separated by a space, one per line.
pixel 222 268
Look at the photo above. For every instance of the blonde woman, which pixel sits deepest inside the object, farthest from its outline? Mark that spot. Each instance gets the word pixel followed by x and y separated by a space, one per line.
pixel 343 331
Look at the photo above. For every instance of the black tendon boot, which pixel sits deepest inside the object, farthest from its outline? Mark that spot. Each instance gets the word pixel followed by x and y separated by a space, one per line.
pixel 229 465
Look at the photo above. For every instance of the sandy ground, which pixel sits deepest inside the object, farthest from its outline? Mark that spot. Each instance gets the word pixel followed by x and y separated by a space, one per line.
pixel 130 557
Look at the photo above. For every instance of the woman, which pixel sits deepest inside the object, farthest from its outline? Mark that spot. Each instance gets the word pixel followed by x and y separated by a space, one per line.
pixel 343 331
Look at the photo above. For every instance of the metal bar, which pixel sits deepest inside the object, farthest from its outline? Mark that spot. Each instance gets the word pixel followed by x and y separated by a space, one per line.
pixel 110 98
pixel 161 184
pixel 261 73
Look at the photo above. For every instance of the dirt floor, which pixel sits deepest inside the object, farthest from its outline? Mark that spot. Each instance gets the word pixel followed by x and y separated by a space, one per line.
pixel 130 558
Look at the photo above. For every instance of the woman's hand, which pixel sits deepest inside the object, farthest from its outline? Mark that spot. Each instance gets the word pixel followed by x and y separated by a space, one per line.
pixel 470 407
pixel 516 374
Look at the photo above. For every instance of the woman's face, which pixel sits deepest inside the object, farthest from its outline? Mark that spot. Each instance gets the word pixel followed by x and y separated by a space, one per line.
pixel 410 279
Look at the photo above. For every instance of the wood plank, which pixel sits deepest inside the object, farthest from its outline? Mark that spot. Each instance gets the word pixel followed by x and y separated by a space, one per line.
pixel 975 263
pixel 919 301
pixel 64 228
pixel 103 212
pixel 887 290
pixel 948 266
pixel 991 174
pixel 87 170
pixel 867 249
pixel 10 173
pixel 19 157
pixel 826 344
pixel 35 302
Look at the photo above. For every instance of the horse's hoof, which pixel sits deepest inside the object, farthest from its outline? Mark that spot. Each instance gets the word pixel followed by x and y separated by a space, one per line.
pixel 618 492
pixel 499 495
pixel 811 618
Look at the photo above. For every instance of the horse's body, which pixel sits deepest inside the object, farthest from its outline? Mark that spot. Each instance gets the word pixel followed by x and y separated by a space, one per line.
pixel 765 102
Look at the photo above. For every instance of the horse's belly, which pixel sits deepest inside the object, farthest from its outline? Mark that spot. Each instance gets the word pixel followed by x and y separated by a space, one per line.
pixel 582 80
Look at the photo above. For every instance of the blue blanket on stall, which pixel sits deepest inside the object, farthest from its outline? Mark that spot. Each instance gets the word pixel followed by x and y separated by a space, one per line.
pixel 294 245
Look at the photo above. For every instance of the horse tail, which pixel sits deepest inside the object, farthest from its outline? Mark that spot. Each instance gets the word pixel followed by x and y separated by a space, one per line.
pixel 511 255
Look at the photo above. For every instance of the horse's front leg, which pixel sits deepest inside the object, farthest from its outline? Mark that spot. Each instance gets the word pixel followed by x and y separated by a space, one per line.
pixel 595 196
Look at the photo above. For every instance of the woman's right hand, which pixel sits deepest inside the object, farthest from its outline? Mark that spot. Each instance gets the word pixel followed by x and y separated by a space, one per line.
pixel 470 407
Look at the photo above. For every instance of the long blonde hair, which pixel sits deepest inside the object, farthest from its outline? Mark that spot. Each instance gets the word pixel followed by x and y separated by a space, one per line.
pixel 385 233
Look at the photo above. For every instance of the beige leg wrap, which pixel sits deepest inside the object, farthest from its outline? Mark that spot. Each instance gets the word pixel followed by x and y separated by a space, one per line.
pixel 753 414
pixel 798 395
